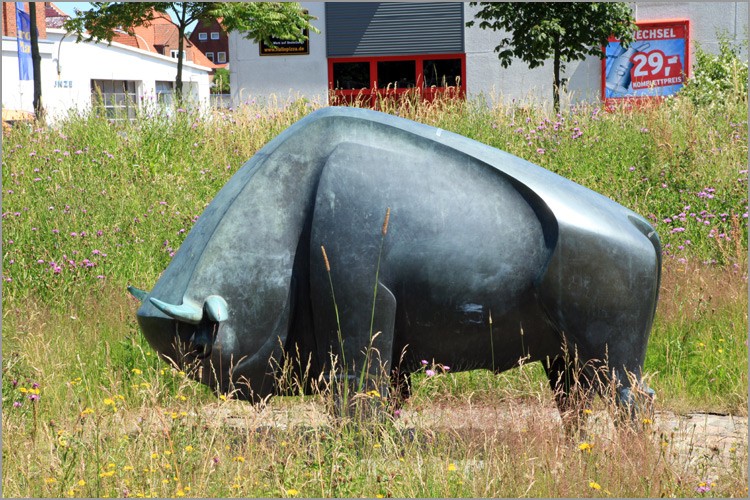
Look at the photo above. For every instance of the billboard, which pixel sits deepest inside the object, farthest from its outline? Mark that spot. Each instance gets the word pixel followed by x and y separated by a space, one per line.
pixel 655 64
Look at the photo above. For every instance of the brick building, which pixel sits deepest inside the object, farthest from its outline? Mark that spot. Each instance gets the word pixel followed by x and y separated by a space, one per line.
pixel 209 36
pixel 9 18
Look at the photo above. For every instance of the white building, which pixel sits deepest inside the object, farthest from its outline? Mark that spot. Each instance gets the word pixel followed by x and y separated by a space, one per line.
pixel 367 44
pixel 72 72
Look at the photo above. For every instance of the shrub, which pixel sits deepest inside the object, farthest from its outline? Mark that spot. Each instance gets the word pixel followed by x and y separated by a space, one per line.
pixel 718 77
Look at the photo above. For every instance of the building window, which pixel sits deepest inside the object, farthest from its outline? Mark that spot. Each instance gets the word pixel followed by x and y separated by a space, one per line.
pixel 397 74
pixel 222 57
pixel 202 36
pixel 214 35
pixel 351 75
pixel 164 92
pixel 173 54
pixel 210 56
pixel 355 79
pixel 442 72
pixel 114 99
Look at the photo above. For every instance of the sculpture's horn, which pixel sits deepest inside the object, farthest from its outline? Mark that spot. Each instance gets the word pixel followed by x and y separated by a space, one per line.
pixel 216 308
pixel 185 312
pixel 137 293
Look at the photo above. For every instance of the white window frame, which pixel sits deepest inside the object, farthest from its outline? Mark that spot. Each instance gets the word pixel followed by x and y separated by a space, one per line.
pixel 214 35
pixel 173 54
pixel 202 36
pixel 210 56
pixel 221 57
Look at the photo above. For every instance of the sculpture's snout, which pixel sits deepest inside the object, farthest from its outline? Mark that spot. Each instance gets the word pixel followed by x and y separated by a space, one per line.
pixel 181 332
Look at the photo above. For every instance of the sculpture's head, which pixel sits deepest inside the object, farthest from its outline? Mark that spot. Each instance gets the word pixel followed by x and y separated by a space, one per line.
pixel 200 337
pixel 220 309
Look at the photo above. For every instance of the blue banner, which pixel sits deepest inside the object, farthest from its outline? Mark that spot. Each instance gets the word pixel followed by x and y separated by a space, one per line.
pixel 23 26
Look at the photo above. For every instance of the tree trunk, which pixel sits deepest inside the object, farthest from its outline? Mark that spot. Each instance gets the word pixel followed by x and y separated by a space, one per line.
pixel 556 76
pixel 180 53
pixel 36 63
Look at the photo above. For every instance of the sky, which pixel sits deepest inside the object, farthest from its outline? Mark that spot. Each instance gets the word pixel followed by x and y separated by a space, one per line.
pixel 69 8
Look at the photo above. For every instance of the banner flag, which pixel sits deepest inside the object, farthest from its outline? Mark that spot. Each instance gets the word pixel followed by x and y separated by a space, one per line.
pixel 23 27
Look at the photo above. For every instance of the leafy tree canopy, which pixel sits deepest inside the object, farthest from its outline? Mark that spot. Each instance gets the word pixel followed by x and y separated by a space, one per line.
pixel 258 21
pixel 535 32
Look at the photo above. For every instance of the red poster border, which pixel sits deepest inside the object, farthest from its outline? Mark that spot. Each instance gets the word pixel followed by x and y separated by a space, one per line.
pixel 659 23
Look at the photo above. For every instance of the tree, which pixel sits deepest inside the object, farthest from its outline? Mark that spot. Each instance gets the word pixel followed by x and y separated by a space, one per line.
pixel 36 61
pixel 538 31
pixel 259 20
pixel 221 81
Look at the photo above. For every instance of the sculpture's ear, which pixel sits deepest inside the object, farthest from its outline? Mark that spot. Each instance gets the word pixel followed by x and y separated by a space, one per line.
pixel 216 308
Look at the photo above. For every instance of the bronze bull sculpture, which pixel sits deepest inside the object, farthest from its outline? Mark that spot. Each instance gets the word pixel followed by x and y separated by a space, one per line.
pixel 485 259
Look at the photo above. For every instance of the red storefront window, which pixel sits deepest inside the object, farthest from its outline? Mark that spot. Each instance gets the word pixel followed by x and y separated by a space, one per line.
pixel 367 79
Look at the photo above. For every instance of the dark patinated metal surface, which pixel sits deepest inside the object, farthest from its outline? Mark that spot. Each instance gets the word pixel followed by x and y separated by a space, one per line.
pixel 473 233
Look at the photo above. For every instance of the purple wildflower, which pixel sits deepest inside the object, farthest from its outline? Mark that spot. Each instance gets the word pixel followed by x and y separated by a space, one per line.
pixel 430 373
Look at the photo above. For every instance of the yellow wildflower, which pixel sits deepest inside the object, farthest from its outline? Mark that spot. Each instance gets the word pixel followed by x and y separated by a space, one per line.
pixel 50 480
pixel 154 455
pixel 180 493
pixel 451 467
pixel 109 401
pixel 110 465
pixel 87 411
pixel 379 496
pixel 188 448
pixel 585 447
pixel 127 468
pixel 587 412
pixel 181 398
pixel 137 371
pixel 81 483
pixel 239 459
pixel 107 474
pixel 594 485
pixel 292 492
pixel 647 421
pixel 373 393
pixel 23 390
pixel 376 445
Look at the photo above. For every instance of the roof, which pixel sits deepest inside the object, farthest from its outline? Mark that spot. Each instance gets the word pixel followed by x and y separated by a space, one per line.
pixel 54 17
pixel 161 35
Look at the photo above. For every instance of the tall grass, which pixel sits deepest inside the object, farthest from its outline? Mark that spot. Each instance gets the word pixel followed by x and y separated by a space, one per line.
pixel 91 206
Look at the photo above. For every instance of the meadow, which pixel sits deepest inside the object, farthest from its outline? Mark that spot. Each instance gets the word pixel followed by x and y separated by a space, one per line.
pixel 90 206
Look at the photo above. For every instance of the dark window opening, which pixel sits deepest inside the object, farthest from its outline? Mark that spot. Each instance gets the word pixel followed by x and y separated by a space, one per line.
pixel 442 72
pixel 351 76
pixel 397 74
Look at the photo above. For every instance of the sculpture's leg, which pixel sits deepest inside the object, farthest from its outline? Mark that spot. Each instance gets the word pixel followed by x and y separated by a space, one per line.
pixel 573 387
pixel 362 352
pixel 601 293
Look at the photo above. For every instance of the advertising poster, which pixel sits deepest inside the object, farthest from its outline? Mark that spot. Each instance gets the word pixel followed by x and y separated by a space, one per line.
pixel 654 64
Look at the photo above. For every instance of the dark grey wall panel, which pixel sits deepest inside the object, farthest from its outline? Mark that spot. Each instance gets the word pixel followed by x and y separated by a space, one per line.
pixel 390 28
